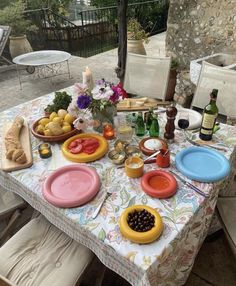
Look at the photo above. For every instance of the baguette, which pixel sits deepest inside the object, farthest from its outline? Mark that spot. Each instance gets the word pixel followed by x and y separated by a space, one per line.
pixel 14 149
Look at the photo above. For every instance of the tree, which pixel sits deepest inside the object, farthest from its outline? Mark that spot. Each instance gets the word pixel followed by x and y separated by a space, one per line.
pixel 122 43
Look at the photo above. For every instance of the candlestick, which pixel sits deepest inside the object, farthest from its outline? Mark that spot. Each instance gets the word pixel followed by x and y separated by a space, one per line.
pixel 88 78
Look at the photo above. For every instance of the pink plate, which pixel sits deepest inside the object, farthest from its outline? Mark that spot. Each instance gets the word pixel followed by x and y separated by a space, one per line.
pixel 71 186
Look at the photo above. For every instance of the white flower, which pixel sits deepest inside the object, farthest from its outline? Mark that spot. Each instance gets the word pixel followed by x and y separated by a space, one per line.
pixel 73 108
pixel 80 88
pixel 102 92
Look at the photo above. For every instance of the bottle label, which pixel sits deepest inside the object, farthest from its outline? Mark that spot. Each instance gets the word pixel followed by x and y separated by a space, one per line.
pixel 208 121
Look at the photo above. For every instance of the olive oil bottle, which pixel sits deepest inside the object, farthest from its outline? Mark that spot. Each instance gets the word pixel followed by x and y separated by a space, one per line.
pixel 209 116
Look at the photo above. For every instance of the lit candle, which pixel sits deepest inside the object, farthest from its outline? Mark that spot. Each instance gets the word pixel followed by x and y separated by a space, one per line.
pixel 108 132
pixel 88 78
pixel 45 150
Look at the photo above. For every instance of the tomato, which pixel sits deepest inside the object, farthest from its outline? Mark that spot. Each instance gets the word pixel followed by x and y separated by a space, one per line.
pixel 89 150
pixel 90 141
pixel 79 140
pixel 77 149
pixel 72 144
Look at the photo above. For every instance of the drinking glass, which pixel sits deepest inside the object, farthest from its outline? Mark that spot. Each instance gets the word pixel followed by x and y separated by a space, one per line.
pixel 124 128
pixel 183 121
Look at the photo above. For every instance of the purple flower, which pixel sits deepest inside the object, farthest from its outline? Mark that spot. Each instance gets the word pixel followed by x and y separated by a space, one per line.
pixel 83 101
pixel 114 98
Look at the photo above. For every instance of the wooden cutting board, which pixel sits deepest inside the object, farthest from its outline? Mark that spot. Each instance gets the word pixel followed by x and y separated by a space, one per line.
pixel 9 165
pixel 132 106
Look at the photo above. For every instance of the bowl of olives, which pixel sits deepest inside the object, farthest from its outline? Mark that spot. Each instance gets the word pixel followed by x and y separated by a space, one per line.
pixel 141 224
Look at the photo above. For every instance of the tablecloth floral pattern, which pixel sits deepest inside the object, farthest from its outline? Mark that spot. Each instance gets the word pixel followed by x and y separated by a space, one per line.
pixel 186 216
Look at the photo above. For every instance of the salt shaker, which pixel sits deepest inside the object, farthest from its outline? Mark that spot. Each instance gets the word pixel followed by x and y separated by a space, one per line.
pixel 171 112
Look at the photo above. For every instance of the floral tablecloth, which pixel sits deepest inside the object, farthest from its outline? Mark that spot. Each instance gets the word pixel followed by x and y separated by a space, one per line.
pixel 186 216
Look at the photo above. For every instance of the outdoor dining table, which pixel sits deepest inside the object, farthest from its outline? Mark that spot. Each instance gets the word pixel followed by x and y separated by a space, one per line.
pixel 186 216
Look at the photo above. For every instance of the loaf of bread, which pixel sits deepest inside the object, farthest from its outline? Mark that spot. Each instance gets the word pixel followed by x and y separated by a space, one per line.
pixel 14 149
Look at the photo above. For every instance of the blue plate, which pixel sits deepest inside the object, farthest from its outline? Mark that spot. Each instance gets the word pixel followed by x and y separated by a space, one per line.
pixel 202 164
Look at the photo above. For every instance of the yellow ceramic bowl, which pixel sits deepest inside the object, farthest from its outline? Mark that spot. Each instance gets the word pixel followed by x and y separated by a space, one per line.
pixel 134 167
pixel 141 237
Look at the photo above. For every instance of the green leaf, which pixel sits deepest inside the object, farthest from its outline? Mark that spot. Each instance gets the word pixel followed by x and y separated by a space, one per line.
pixel 102 234
pixel 144 199
pixel 125 196
pixel 132 202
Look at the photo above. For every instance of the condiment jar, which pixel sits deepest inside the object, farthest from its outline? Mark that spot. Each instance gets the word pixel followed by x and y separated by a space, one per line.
pixel 163 158
pixel 134 167
pixel 45 150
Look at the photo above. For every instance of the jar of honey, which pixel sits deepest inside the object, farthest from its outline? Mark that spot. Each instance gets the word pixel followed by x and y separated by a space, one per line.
pixel 45 150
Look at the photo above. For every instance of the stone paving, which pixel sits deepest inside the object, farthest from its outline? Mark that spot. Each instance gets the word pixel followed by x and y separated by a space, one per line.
pixel 214 264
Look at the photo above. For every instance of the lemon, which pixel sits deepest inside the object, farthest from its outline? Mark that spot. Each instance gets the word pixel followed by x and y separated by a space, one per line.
pixel 65 123
pixel 52 115
pixel 44 121
pixel 66 129
pixel 40 129
pixel 47 132
pixel 69 118
pixel 57 119
pixel 61 113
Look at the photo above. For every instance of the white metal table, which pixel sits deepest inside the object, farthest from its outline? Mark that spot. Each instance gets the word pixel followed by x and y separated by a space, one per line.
pixel 44 64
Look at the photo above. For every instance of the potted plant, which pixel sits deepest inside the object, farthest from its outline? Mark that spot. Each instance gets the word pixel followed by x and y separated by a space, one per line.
pixel 13 16
pixel 172 79
pixel 136 35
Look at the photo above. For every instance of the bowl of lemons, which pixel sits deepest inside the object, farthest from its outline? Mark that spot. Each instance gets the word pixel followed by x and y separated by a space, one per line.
pixel 57 127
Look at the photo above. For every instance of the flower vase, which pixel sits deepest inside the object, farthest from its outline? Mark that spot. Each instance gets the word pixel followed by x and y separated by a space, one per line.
pixel 103 116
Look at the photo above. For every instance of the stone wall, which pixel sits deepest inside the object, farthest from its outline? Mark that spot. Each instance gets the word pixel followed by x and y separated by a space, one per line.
pixel 197 28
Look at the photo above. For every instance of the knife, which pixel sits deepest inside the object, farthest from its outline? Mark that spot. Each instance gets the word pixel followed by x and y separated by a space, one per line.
pixel 203 145
pixel 189 185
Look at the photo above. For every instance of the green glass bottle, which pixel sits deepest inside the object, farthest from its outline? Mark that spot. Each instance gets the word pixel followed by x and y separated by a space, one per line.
pixel 209 116
pixel 154 128
pixel 148 119
pixel 140 126
pixel 133 119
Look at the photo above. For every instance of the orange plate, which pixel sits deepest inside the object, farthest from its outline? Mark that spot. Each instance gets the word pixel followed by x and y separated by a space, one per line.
pixel 83 157
pixel 55 138
pixel 147 151
pixel 159 184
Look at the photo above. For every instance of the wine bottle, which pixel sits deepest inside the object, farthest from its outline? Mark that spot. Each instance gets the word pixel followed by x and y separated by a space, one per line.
pixel 154 128
pixel 140 126
pixel 209 116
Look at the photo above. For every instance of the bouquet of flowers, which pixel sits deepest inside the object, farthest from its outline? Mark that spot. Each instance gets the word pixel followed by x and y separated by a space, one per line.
pixel 104 94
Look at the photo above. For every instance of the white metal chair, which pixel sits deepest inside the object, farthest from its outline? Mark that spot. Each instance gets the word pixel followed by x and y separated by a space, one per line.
pixel 39 254
pixel 147 76
pixel 227 211
pixel 224 80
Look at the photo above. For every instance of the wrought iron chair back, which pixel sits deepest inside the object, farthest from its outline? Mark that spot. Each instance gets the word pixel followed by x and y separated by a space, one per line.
pixel 4 35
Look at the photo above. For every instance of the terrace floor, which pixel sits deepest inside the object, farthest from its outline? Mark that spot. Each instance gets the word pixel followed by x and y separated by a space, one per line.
pixel 215 264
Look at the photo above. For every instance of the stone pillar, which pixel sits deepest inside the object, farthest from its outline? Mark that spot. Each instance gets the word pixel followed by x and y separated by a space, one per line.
pixel 196 29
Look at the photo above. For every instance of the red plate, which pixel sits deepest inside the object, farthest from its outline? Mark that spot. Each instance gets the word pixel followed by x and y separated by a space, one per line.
pixel 71 186
pixel 159 184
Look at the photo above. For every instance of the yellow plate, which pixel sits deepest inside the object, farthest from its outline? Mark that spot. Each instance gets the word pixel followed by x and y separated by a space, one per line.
pixel 141 237
pixel 83 157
